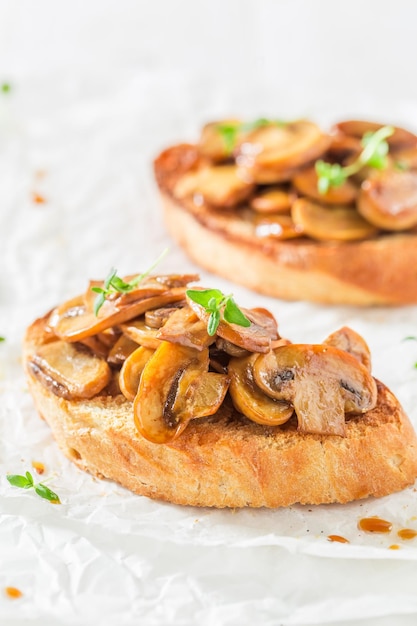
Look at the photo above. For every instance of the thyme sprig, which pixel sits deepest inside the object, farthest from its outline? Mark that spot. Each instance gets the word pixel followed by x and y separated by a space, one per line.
pixel 374 154
pixel 229 131
pixel 218 306
pixel 114 284
pixel 26 482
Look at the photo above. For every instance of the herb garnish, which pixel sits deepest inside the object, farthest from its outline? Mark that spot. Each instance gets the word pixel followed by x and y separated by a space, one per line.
pixel 26 482
pixel 230 131
pixel 6 87
pixel 218 305
pixel 374 154
pixel 2 339
pixel 115 284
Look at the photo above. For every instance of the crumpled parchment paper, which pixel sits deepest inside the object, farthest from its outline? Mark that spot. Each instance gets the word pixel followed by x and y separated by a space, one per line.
pixel 77 197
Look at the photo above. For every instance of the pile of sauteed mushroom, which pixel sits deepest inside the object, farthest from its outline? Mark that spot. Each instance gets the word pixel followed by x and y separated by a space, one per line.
pixel 155 344
pixel 291 179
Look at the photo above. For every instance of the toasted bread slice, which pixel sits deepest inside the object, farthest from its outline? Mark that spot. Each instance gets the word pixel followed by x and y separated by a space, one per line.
pixel 227 460
pixel 378 270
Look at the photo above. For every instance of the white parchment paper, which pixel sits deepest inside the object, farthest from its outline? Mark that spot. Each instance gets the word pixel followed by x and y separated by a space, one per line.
pixel 77 197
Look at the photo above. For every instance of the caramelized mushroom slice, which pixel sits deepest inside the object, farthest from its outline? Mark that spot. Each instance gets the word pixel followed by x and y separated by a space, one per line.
pixel 321 382
pixel 123 347
pixel 276 200
pixel 212 144
pixel 69 370
pixel 230 348
pixel 156 318
pixel 279 148
pixel 220 186
pixel 199 396
pixel 252 401
pixel 73 321
pixel 186 328
pixel 277 227
pixel 337 223
pixel 350 341
pixel 306 182
pixel 389 199
pixel 406 159
pixel 155 411
pixel 255 338
pixel 138 331
pixel 129 377
pixel 399 140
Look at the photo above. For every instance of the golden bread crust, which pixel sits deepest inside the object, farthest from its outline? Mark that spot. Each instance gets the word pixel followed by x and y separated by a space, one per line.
pixel 227 460
pixel 377 271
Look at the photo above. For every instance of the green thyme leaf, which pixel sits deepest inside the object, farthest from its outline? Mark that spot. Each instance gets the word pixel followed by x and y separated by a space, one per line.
pixel 114 284
pixel 205 296
pixel 26 482
pixel 6 87
pixel 410 338
pixel 234 315
pixel 2 339
pixel 19 481
pixel 401 166
pixel 229 133
pixel 213 323
pixel 44 492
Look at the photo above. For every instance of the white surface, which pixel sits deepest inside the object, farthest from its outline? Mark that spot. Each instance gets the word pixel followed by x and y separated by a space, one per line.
pixel 98 89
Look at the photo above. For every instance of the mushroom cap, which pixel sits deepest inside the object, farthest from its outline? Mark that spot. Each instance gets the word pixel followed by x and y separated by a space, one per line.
pixel 321 381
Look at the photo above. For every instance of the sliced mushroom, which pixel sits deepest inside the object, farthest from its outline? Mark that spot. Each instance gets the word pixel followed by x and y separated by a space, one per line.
pixel 343 147
pixel 73 321
pixel 123 347
pixel 399 140
pixel 321 382
pixel 250 400
pixel 255 338
pixel 156 412
pixel 274 200
pixel 306 182
pixel 350 341
pixel 220 186
pixel 277 227
pixel 129 377
pixel 212 144
pixel 230 348
pixel 174 162
pixel 389 199
pixel 337 223
pixel 279 148
pixel 156 318
pixel 199 396
pixel 185 327
pixel 406 159
pixel 138 331
pixel 69 370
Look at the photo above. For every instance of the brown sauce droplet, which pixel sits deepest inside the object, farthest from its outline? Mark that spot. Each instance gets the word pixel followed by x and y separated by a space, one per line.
pixel 338 539
pixel 38 467
pixel 13 592
pixel 374 525
pixel 407 533
pixel 37 198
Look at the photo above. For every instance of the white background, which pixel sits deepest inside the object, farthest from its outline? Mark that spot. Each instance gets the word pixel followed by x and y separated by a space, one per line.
pixel 98 88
